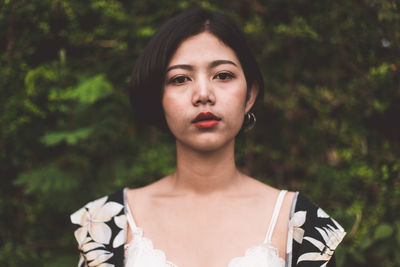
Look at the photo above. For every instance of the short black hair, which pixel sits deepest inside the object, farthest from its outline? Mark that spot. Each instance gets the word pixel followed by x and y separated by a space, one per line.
pixel 147 80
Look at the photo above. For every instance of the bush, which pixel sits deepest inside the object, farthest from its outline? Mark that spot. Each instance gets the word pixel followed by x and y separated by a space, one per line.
pixel 328 125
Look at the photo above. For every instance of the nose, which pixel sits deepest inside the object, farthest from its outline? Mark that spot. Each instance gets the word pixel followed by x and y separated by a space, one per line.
pixel 203 93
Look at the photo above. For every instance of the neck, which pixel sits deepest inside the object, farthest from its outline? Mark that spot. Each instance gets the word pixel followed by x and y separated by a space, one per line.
pixel 205 173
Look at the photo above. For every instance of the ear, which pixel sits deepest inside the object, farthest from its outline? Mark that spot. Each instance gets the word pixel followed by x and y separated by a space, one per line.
pixel 251 97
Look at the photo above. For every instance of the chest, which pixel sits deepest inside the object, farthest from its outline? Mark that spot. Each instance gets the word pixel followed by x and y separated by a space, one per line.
pixel 210 235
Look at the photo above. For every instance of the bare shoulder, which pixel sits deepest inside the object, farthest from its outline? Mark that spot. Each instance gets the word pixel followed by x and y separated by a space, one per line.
pixel 265 191
pixel 148 189
pixel 269 194
pixel 142 196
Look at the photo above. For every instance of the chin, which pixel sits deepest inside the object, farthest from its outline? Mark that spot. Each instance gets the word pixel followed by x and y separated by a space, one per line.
pixel 209 148
pixel 206 145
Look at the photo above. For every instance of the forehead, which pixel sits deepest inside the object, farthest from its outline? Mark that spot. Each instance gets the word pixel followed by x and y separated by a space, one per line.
pixel 203 48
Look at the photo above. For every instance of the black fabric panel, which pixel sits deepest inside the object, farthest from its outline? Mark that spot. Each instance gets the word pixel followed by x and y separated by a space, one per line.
pixel 118 253
pixel 309 227
pixel 118 258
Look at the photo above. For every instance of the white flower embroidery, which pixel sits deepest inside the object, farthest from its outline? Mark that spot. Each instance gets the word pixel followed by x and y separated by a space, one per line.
pixel 295 232
pixel 298 219
pixel 92 218
pixel 81 260
pixel 321 213
pixel 95 254
pixel 332 237
pixel 120 239
pixel 98 257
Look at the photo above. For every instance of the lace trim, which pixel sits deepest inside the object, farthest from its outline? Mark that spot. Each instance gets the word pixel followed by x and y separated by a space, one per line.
pixel 258 256
pixel 141 242
pixel 255 256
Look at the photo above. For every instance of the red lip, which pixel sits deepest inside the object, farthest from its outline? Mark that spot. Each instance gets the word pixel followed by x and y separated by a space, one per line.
pixel 206 120
pixel 205 116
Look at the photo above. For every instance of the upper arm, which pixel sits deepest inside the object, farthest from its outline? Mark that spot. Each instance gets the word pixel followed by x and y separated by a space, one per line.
pixel 314 235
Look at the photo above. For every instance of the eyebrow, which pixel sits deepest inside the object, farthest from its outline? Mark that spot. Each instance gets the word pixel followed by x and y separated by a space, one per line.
pixel 220 62
pixel 213 64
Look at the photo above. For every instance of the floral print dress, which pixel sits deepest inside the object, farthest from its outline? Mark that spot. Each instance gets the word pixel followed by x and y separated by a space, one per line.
pixel 101 231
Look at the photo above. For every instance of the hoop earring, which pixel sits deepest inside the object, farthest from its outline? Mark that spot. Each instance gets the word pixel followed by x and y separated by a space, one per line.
pixel 249 121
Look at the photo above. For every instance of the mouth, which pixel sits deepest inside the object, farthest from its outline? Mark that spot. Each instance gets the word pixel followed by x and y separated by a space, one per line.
pixel 206 116
pixel 206 120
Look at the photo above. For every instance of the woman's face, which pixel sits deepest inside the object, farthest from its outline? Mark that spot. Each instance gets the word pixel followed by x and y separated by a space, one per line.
pixel 204 97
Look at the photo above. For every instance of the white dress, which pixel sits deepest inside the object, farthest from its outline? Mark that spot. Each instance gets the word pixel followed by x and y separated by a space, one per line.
pixel 140 252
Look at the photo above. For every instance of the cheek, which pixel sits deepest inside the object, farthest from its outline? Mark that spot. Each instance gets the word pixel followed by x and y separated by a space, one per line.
pixel 168 107
pixel 234 106
pixel 173 111
pixel 238 100
pixel 169 103
pixel 240 104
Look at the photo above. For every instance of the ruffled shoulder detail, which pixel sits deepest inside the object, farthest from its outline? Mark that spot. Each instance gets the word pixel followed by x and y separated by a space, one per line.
pixel 313 235
pixel 100 230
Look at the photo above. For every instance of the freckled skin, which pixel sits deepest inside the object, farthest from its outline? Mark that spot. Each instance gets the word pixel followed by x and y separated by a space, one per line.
pixel 220 89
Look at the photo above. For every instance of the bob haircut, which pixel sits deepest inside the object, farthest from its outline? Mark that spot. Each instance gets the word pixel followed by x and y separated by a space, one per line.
pixel 148 76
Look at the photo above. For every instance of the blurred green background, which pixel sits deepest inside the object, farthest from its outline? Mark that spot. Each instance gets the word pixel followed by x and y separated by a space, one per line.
pixel 328 125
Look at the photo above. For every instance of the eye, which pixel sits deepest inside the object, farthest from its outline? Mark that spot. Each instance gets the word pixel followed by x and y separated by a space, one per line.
pixel 224 76
pixel 179 79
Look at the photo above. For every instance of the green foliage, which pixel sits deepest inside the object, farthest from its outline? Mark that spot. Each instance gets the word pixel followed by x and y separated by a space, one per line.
pixel 327 126
pixel 46 179
pixel 383 231
pixel 71 137
pixel 89 90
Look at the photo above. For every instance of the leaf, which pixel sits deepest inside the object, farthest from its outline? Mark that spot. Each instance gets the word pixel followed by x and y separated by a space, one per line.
pixel 380 70
pixel 90 90
pixel 46 179
pixel 35 77
pixel 383 231
pixel 70 137
pixel 298 28
pixel 398 232
pixel 146 31
pixel 366 243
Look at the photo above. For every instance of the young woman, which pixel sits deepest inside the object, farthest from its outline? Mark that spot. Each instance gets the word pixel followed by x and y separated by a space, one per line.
pixel 198 77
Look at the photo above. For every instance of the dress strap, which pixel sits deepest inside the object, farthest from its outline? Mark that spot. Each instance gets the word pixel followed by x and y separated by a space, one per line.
pixel 275 215
pixel 128 213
